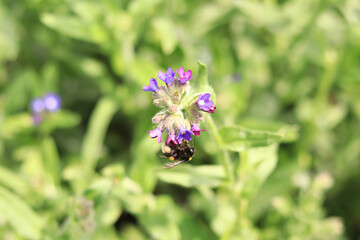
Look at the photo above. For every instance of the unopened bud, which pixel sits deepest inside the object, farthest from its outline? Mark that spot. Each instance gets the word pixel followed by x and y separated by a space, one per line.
pixel 158 117
pixel 166 99
pixel 175 97
pixel 173 108
pixel 159 102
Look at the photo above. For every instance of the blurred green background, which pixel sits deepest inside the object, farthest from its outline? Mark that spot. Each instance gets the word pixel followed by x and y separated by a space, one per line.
pixel 279 159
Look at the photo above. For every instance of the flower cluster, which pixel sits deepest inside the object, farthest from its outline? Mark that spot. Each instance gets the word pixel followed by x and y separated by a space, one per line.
pixel 50 102
pixel 181 113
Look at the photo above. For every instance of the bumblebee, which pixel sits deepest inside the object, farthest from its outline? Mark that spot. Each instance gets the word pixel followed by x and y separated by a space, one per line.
pixel 178 153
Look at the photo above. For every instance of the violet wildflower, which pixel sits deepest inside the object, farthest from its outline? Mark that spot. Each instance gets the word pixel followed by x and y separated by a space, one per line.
pixel 181 113
pixel 184 76
pixel 167 77
pixel 52 102
pixel 37 105
pixel 156 133
pixel 153 86
pixel 184 134
pixel 205 104
pixel 196 129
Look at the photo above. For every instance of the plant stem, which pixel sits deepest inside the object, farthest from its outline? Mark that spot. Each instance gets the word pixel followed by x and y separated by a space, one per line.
pixel 225 158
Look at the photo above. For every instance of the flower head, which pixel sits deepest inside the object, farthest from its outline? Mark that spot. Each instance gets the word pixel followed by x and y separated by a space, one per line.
pixel 37 105
pixel 181 113
pixel 196 129
pixel 205 104
pixel 184 134
pixel 52 102
pixel 153 86
pixel 156 133
pixel 184 76
pixel 167 77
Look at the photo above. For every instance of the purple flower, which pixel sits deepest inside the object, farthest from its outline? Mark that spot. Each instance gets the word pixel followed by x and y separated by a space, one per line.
pixel 37 105
pixel 196 130
pixel 52 102
pixel 167 77
pixel 205 104
pixel 156 133
pixel 184 134
pixel 153 86
pixel 172 139
pixel 184 76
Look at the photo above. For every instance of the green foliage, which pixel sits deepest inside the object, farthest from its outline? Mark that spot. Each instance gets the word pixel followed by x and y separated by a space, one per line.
pixel 279 158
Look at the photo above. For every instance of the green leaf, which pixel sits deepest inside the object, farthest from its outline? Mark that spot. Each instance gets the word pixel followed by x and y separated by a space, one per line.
pixel 255 167
pixel 20 216
pixel 186 176
pixel 144 162
pixel 75 27
pixel 161 221
pixel 290 132
pixel 94 138
pixel 16 124
pixel 165 27
pixel 131 196
pixel 11 180
pixel 51 160
pixel 239 139
pixel 59 119
pixel 203 82
pixel 277 184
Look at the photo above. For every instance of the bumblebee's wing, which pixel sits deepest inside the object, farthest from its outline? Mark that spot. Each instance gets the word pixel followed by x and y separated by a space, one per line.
pixel 172 164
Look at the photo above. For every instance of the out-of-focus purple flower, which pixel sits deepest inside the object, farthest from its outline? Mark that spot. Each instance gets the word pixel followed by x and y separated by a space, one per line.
pixel 37 105
pixel 153 86
pixel 52 102
pixel 172 139
pixel 184 76
pixel 167 77
pixel 205 104
pixel 184 134
pixel 156 133
pixel 37 119
pixel 196 129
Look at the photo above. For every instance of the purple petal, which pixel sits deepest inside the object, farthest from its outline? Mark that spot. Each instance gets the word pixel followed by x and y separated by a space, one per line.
pixel 156 133
pixel 52 102
pixel 167 78
pixel 205 96
pixel 37 105
pixel 181 72
pixel 162 76
pixel 184 134
pixel 153 86
pixel 205 104
pixel 188 74
pixel 172 139
pixel 170 72
pixel 184 77
pixel 196 130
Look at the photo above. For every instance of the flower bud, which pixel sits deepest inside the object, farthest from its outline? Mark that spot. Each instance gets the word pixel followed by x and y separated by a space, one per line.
pixel 175 97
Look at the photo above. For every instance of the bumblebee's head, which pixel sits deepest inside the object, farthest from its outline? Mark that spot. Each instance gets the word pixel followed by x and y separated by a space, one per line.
pixel 192 151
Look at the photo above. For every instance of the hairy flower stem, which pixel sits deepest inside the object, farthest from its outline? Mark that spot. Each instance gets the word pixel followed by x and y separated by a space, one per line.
pixel 225 157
